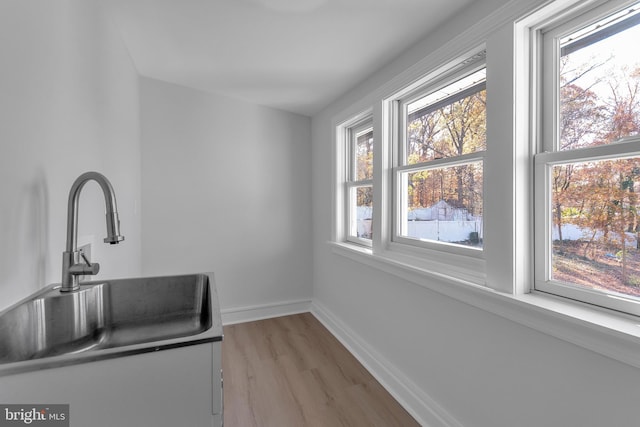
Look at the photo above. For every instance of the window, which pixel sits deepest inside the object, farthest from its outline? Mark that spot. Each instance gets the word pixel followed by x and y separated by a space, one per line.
pixel 587 175
pixel 427 181
pixel 548 171
pixel 359 182
pixel 439 169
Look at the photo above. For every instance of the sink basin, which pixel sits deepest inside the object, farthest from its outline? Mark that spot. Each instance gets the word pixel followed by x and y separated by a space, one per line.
pixel 106 319
pixel 144 310
pixel 52 324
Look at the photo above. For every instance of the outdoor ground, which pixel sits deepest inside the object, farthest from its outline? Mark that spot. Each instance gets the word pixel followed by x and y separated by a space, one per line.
pixel 602 269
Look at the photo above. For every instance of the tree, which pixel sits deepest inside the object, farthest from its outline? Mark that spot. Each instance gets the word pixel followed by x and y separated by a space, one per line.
pixel 364 167
pixel 623 105
pixel 465 124
pixel 581 118
pixel 455 129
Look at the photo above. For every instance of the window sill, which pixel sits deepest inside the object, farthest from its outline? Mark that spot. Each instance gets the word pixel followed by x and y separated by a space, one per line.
pixel 609 333
pixel 603 331
pixel 405 261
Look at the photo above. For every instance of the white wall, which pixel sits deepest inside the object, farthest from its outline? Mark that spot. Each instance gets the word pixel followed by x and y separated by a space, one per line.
pixel 481 369
pixel 226 188
pixel 68 104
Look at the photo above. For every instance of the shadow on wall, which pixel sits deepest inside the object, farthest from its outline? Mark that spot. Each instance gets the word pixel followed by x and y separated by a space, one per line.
pixel 25 234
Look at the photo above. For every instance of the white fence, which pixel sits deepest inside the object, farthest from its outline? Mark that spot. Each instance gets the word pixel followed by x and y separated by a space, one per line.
pixel 364 228
pixel 444 231
pixel 573 232
pixel 458 231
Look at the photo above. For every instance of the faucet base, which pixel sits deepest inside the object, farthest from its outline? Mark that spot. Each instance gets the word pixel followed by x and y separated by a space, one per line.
pixel 73 268
pixel 70 288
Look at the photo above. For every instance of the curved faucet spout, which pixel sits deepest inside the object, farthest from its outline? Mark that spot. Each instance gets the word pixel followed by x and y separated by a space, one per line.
pixel 72 267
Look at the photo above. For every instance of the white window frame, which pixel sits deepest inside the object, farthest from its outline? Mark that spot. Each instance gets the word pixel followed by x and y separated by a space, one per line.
pixel 546 49
pixel 352 183
pixel 398 119
pixel 347 133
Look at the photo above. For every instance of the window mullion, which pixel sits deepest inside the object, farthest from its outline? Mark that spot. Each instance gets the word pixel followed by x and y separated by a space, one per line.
pixel 461 160
pixel 599 152
pixel 362 183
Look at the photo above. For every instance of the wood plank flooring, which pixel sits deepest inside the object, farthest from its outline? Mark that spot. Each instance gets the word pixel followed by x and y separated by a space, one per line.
pixel 290 371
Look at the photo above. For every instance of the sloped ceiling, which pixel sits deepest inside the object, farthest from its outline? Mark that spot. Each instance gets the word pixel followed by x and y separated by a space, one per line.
pixel 294 55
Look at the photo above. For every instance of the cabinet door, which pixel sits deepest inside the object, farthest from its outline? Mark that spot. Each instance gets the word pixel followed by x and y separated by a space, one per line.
pixel 166 388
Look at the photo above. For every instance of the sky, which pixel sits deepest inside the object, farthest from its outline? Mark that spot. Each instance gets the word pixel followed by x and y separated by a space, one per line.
pixel 618 51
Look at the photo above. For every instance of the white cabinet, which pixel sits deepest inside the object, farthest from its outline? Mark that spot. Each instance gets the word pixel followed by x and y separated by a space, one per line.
pixel 167 388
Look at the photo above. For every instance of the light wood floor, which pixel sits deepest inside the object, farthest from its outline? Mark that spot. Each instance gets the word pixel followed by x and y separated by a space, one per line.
pixel 290 371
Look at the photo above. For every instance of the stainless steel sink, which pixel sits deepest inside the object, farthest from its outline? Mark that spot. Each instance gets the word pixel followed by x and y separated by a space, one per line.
pixel 106 319
pixel 52 324
pixel 144 310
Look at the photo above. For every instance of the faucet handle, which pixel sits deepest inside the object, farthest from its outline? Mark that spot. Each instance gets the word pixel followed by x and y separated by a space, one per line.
pixel 84 269
pixel 93 269
pixel 84 257
pixel 89 269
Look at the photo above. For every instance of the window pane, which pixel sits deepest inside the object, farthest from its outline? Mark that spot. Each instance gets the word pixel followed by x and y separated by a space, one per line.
pixel 364 155
pixel 596 225
pixel 600 82
pixel 444 205
pixel 361 219
pixel 449 122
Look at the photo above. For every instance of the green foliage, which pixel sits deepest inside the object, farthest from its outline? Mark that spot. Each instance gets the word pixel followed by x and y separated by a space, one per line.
pixel 570 212
pixel 634 281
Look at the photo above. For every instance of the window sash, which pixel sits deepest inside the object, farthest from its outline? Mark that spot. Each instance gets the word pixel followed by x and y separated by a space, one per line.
pixel 400 214
pixel 550 155
pixel 544 163
pixel 400 119
pixel 352 215
pixel 353 134
pixel 351 182
pixel 550 52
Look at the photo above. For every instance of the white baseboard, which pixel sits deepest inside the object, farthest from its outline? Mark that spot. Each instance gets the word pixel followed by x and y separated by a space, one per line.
pixel 420 405
pixel 264 311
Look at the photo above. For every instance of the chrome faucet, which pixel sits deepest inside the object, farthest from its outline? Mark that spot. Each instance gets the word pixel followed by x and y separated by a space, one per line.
pixel 72 265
